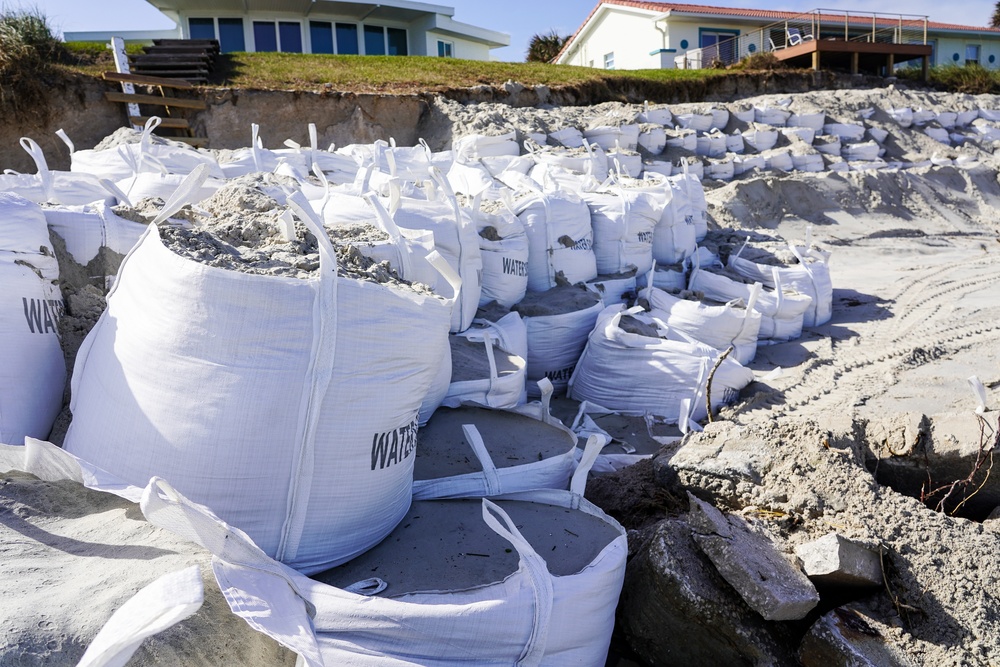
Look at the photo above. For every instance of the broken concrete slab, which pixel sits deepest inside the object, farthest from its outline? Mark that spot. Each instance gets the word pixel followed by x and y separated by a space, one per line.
pixel 845 637
pixel 749 561
pixel 676 609
pixel 835 560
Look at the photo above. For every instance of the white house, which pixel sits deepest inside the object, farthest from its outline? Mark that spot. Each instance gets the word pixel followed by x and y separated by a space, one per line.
pixel 362 27
pixel 629 34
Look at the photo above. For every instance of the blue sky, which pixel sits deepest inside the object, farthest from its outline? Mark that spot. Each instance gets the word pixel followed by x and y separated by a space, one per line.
pixel 519 18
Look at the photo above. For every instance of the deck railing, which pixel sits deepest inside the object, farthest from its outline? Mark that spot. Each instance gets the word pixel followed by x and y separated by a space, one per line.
pixel 815 24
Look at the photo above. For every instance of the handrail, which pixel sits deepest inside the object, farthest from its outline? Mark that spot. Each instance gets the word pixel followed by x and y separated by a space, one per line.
pixel 892 28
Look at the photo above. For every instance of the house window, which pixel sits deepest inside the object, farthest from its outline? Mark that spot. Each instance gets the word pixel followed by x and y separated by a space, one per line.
pixel 290 36
pixel 609 60
pixel 321 36
pixel 231 35
pixel 718 45
pixel 374 40
pixel 347 39
pixel 444 49
pixel 201 28
pixel 397 41
pixel 972 54
pixel 264 36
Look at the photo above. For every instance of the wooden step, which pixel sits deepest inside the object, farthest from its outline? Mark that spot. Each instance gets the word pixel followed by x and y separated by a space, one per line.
pixel 146 80
pixel 172 123
pixel 191 76
pixel 175 102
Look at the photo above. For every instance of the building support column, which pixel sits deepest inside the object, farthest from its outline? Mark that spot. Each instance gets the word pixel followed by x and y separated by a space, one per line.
pixel 926 68
pixel 890 61
pixel 855 59
pixel 816 60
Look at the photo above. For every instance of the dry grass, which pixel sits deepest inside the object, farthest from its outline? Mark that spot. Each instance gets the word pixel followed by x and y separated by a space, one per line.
pixel 28 51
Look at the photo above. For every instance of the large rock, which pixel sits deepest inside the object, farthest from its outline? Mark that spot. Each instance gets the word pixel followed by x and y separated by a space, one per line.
pixel 749 561
pixel 847 638
pixel 835 560
pixel 676 609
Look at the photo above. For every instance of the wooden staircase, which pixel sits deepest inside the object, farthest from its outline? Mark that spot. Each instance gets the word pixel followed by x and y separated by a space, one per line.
pixel 189 59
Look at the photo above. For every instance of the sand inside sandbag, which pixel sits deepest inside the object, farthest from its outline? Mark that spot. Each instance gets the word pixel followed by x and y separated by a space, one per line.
pixel 444 545
pixel 511 439
pixel 557 301
pixel 469 361
pixel 492 312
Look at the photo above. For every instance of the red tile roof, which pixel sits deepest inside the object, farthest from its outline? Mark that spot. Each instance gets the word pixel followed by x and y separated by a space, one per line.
pixel 739 12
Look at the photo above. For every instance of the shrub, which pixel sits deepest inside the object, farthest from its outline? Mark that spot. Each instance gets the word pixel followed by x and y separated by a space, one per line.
pixel 28 49
pixel 758 61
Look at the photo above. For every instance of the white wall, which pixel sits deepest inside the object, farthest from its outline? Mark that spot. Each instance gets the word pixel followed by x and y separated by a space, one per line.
pixel 949 45
pixel 461 48
pixel 629 35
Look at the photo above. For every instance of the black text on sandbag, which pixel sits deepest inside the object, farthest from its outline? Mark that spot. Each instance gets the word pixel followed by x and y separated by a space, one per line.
pixel 583 244
pixel 560 375
pixel 515 267
pixel 645 237
pixel 393 446
pixel 42 315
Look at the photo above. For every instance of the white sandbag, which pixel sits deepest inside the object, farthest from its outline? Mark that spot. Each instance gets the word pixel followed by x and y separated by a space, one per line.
pixel 682 139
pixel 828 144
pixel 774 116
pixel 499 164
pixel 629 164
pixel 699 122
pixel 476 146
pixel 652 140
pixel 661 167
pixel 570 137
pixel 735 143
pixel 591 160
pixel 623 220
pixel 736 323
pixel 560 239
pixel 813 121
pixel 557 322
pixel 410 163
pixel 664 277
pixel 720 118
pixel 287 443
pixel 720 170
pixel 675 235
pixel 711 145
pixel 692 165
pixel 150 153
pixel 529 612
pixel 811 276
pixel 780 159
pixel 508 332
pixel 760 139
pixel 903 116
pixel 987 129
pixel 923 116
pixel 634 373
pixel 61 187
pixel 846 131
pixel 456 238
pixel 478 452
pixel 946 119
pixel 483 372
pixel 609 137
pixel 92 231
pixel 866 151
pixel 145 185
pixel 656 115
pixel 613 288
pixel 744 163
pixel 744 115
pixel 808 161
pixel 688 203
pixel 938 134
pixel 965 118
pixel 878 135
pixel 504 248
pixel 782 309
pixel 32 367
pixel 803 134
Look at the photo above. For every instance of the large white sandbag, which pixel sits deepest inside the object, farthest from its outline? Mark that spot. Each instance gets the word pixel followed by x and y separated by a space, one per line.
pixel 711 145
pixel 735 143
pixel 613 288
pixel 609 137
pixel 32 367
pixel 524 611
pixel 410 163
pixel 804 134
pixel 744 163
pixel 807 160
pixel 474 451
pixel 455 237
pixel 635 373
pixel 623 220
pixel 570 137
pixel 720 118
pixel 92 231
pixel 683 139
pixel 699 122
pixel 560 239
pixel 903 116
pixel 656 115
pixel 557 322
pixel 504 248
pixel 57 187
pixel 483 372
pixel 719 170
pixel 691 204
pixel 652 139
pixel 626 163
pixel 810 276
pixel 150 153
pixel 306 443
pixel 476 146
pixel 760 139
pixel 846 131
pixel 735 323
pixel 867 151
pixel 661 167
pixel 146 185
pixel 813 121
pixel 828 144
pixel 774 116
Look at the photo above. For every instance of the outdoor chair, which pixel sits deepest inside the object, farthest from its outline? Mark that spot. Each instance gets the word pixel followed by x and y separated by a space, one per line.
pixel 795 37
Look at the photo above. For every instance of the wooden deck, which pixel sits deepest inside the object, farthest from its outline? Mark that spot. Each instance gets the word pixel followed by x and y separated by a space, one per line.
pixel 855 56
